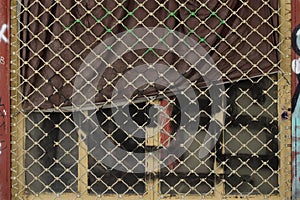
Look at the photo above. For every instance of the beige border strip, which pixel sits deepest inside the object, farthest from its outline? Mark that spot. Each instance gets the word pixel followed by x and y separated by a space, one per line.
pixel 284 100
pixel 17 118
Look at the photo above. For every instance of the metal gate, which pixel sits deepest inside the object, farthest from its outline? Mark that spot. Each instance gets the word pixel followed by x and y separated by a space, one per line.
pixel 177 99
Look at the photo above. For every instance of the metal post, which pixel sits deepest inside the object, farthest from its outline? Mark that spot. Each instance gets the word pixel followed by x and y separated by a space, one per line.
pixel 4 101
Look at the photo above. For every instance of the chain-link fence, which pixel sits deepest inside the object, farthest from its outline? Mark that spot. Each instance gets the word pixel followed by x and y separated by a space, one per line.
pixel 135 99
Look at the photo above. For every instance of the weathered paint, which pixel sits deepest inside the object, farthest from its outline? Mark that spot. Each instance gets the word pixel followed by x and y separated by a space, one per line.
pixel 5 102
pixel 296 113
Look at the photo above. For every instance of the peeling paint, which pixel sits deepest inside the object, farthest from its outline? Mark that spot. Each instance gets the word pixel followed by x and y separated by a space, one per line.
pixel 5 185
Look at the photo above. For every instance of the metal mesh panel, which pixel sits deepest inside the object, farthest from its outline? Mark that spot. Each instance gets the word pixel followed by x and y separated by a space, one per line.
pixel 149 99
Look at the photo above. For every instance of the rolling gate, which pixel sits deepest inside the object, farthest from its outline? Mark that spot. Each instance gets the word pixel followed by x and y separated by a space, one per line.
pixel 103 98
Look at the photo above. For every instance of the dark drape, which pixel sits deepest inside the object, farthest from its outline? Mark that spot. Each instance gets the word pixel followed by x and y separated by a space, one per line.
pixel 241 37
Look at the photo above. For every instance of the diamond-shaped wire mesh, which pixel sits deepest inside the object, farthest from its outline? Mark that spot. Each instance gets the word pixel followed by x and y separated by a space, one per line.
pixel 72 133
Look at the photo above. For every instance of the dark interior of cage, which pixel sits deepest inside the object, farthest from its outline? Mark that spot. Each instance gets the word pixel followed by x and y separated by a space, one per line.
pixel 247 150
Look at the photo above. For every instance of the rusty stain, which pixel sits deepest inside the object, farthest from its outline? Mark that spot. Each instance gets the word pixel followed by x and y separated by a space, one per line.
pixel 5 186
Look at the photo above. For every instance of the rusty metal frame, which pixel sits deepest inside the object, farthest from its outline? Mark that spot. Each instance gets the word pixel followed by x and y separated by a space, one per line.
pixel 4 101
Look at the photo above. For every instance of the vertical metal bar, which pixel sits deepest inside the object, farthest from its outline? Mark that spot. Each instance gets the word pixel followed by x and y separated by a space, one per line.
pixel 17 116
pixel 4 101
pixel 82 162
pixel 152 163
pixel 284 100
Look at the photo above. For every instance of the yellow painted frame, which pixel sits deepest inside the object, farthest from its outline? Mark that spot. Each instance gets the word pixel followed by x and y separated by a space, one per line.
pixel 18 130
